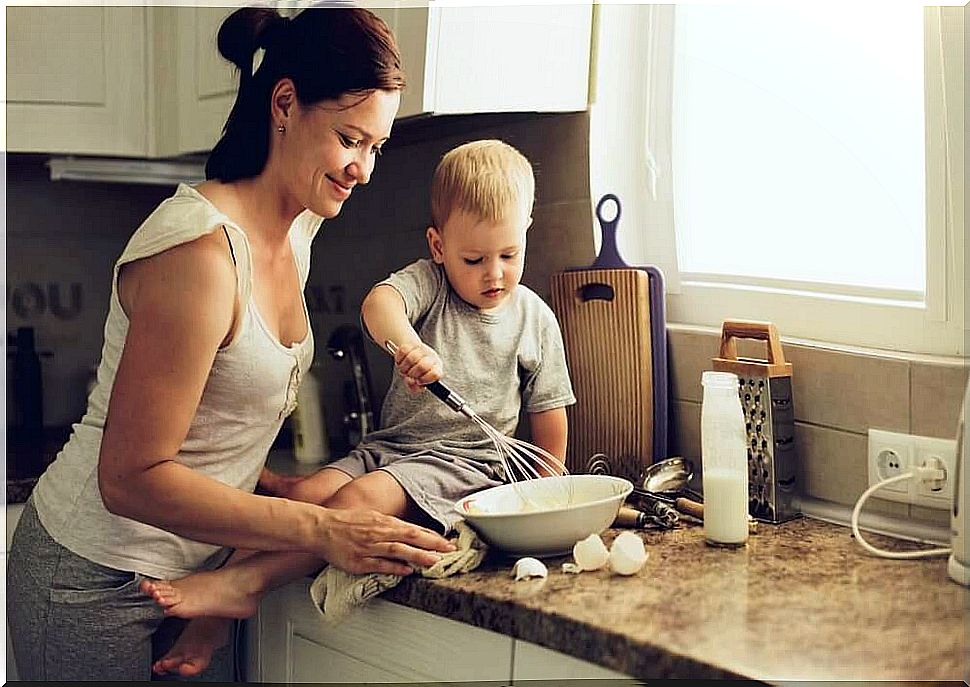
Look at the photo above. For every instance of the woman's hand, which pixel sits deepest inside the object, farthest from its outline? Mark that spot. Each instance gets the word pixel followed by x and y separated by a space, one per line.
pixel 365 541
pixel 419 364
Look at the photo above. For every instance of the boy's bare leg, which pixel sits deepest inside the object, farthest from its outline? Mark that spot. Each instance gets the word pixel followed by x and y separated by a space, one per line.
pixel 234 590
pixel 192 651
pixel 207 631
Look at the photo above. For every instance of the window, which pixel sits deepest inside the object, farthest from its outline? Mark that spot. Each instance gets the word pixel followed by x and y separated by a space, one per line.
pixel 793 163
pixel 802 164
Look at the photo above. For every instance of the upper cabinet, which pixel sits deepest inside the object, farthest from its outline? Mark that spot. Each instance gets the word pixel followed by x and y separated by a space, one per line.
pixel 462 60
pixel 126 81
pixel 76 80
pixel 148 81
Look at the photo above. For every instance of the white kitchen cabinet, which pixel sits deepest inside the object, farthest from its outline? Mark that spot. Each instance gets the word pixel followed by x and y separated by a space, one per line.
pixel 382 642
pixel 288 641
pixel 515 58
pixel 123 81
pixel 204 84
pixel 76 80
pixel 148 81
pixel 534 662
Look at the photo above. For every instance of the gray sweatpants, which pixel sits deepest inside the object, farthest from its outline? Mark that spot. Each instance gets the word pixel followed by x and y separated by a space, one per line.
pixel 71 619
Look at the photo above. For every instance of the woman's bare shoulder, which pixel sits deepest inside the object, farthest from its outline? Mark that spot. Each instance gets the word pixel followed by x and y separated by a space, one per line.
pixel 200 270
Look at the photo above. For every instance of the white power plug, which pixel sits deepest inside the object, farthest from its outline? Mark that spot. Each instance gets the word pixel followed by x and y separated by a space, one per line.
pixel 893 455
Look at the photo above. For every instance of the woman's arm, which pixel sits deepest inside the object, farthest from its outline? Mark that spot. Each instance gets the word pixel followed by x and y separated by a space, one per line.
pixel 180 307
pixel 549 431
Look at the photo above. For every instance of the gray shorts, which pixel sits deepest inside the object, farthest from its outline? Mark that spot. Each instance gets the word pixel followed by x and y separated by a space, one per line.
pixel 71 619
pixel 433 479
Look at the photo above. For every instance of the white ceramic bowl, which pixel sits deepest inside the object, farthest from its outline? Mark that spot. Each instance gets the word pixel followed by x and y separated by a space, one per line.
pixel 512 517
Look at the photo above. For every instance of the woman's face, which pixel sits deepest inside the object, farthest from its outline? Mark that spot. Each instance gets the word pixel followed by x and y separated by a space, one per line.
pixel 331 146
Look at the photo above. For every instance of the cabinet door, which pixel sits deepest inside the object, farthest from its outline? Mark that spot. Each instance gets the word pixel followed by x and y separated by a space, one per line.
pixel 76 80
pixel 463 60
pixel 511 58
pixel 207 83
pixel 413 33
pixel 380 642
pixel 534 662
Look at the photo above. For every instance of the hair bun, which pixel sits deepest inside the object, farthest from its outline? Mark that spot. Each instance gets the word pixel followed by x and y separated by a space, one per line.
pixel 245 30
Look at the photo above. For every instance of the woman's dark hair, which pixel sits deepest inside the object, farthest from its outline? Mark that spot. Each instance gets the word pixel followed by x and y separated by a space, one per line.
pixel 327 52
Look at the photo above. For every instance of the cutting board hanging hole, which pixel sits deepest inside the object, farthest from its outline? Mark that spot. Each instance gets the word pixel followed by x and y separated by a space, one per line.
pixel 596 292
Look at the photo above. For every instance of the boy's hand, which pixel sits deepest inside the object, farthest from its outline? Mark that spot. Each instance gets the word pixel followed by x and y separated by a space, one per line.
pixel 419 364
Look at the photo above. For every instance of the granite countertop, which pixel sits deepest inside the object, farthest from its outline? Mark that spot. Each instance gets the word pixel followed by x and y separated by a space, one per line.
pixel 802 601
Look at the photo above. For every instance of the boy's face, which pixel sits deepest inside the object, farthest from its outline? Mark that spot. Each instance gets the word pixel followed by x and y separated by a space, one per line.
pixel 483 259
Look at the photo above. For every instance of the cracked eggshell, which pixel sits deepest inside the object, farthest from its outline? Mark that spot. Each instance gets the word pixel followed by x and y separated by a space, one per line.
pixel 529 567
pixel 590 553
pixel 627 554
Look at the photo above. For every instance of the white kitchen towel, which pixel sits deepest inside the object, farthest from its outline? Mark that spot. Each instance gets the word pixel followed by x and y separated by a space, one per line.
pixel 336 593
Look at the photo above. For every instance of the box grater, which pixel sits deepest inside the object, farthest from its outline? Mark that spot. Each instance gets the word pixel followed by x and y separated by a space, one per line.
pixel 766 400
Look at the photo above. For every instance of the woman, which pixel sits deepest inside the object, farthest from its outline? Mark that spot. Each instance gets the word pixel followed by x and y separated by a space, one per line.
pixel 206 340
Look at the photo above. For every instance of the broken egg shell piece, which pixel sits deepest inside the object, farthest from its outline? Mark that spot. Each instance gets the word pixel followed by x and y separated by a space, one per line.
pixel 571 568
pixel 627 554
pixel 590 553
pixel 529 567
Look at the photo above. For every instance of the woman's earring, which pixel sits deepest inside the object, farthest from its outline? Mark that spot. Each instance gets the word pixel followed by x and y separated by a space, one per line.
pixel 281 129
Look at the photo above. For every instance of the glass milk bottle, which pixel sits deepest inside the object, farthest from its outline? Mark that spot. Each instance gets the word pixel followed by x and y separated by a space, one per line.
pixel 724 457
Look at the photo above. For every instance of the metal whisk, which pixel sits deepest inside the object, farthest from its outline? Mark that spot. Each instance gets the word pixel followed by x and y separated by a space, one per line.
pixel 521 460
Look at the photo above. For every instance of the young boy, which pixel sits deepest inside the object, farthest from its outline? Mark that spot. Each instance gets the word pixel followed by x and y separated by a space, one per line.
pixel 463 314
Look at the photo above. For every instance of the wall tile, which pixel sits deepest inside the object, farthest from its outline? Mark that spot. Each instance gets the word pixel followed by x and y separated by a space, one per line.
pixel 933 516
pixel 559 238
pixel 849 391
pixel 688 355
pixel 832 464
pixel 685 438
pixel 937 394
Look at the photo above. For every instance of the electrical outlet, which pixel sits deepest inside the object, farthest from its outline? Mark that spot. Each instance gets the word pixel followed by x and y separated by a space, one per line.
pixel 892 454
pixel 935 453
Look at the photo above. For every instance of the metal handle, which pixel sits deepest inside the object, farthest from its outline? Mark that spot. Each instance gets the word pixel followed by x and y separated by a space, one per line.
pixel 450 398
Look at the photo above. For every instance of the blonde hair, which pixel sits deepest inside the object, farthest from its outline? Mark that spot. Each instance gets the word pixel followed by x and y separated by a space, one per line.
pixel 488 178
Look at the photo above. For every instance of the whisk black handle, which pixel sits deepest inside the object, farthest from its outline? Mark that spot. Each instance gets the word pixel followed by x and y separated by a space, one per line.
pixel 451 399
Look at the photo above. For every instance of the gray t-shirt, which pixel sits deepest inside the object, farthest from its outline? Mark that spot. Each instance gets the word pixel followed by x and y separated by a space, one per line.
pixel 499 362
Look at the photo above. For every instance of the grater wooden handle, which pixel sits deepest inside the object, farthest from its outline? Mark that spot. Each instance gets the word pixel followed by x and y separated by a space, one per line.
pixel 732 330
pixel 728 360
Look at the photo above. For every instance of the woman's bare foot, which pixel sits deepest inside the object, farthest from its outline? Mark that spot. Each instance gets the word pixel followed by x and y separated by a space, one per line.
pixel 193 650
pixel 228 592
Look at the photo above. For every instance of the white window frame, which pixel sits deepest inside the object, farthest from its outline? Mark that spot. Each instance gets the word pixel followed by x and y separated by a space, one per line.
pixel 630 155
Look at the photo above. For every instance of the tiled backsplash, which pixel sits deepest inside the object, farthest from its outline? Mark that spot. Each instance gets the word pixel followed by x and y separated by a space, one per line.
pixel 62 240
pixel 65 236
pixel 383 228
pixel 838 396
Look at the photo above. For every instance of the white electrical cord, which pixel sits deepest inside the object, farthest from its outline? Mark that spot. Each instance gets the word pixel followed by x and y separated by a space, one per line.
pixel 923 473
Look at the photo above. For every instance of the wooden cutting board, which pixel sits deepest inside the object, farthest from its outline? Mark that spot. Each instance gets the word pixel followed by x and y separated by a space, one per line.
pixel 605 319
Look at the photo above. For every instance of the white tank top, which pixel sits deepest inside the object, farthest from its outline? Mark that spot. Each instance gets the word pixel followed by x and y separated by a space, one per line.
pixel 250 390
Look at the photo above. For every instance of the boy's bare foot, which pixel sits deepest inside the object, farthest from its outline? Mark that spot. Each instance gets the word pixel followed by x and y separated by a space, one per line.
pixel 228 592
pixel 193 650
pixel 276 484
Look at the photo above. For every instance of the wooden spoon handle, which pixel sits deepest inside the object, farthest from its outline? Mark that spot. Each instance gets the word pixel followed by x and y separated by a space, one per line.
pixel 629 517
pixel 692 508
